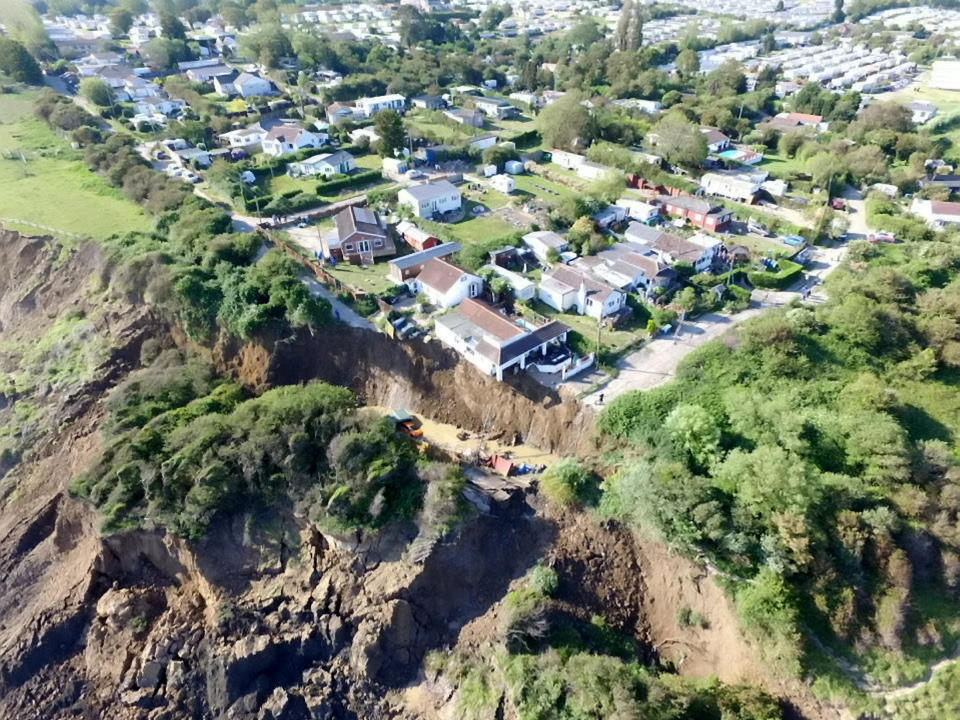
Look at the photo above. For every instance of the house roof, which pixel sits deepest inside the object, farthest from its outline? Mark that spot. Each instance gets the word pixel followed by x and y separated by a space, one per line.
pixel 489 320
pixel 499 102
pixel 243 132
pixel 548 238
pixel 413 259
pixel 939 207
pixel 285 133
pixel 573 279
pixel 689 202
pixel 337 107
pixel 247 77
pixel 496 337
pixel 327 158
pixel 677 247
pixel 714 136
pixel 355 219
pixel 643 233
pixel 429 191
pixel 440 275
pixel 803 118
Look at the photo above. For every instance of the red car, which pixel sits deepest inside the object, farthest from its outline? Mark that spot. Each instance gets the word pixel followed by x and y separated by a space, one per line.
pixel 838 204
pixel 879 237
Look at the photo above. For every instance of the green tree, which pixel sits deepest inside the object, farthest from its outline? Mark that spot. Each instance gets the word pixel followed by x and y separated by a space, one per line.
pixel 628 35
pixel 171 27
pixel 688 63
pixel 566 124
pixel 694 433
pixel 495 14
pixel 680 141
pixel 121 20
pixel 96 91
pixel 608 187
pixel 499 155
pixel 393 137
pixel 18 63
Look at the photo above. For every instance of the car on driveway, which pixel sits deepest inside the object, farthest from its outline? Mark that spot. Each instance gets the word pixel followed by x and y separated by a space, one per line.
pixel 881 237
pixel 794 240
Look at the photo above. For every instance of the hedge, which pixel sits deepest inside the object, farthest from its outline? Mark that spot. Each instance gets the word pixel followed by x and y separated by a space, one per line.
pixel 332 187
pixel 787 274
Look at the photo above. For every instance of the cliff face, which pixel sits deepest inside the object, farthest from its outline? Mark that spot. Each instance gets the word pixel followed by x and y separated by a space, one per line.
pixel 267 618
pixel 265 612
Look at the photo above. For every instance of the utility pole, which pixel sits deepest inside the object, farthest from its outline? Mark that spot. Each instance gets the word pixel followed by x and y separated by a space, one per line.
pixel 599 325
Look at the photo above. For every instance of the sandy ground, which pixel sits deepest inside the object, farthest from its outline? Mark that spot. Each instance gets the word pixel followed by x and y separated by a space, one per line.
pixel 445 436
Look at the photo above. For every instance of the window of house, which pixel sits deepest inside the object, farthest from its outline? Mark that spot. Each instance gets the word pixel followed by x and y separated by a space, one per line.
pixel 378 243
pixel 348 246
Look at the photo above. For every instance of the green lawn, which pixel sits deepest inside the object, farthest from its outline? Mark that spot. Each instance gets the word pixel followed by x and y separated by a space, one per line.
pixel 780 167
pixel 372 279
pixel 53 187
pixel 370 161
pixel 281 183
pixel 946 123
pixel 538 186
pixel 612 340
pixel 473 228
pixel 433 124
pixel 514 126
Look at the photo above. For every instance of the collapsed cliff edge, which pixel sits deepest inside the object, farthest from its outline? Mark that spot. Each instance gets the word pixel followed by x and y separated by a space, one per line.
pixel 267 617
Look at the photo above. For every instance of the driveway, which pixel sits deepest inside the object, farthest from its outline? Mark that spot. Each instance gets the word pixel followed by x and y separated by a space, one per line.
pixel 857 213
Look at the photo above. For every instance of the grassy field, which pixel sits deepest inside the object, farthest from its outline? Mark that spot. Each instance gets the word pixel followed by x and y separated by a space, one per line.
pixel 53 187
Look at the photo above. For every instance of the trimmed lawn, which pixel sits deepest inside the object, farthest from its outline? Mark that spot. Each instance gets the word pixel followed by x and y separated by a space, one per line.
pixel 779 166
pixel 435 124
pixel 514 126
pixel 541 188
pixel 372 279
pixel 54 187
pixel 473 228
pixel 281 183
pixel 370 161
pixel 611 339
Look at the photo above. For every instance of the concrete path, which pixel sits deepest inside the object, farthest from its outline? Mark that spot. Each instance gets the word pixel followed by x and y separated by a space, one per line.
pixel 656 362
pixel 341 312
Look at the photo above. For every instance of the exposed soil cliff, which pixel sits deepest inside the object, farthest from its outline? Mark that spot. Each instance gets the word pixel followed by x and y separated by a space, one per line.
pixel 267 618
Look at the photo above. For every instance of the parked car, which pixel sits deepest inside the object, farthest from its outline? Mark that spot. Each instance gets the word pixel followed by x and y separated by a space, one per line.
pixel 838 204
pixel 415 174
pixel 793 240
pixel 410 427
pixel 881 237
pixel 758 228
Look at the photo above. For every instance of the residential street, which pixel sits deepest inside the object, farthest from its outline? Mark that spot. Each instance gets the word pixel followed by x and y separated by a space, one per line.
pixel 656 362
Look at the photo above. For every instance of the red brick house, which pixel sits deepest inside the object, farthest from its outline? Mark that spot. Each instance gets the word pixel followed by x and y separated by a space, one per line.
pixel 359 237
pixel 702 213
